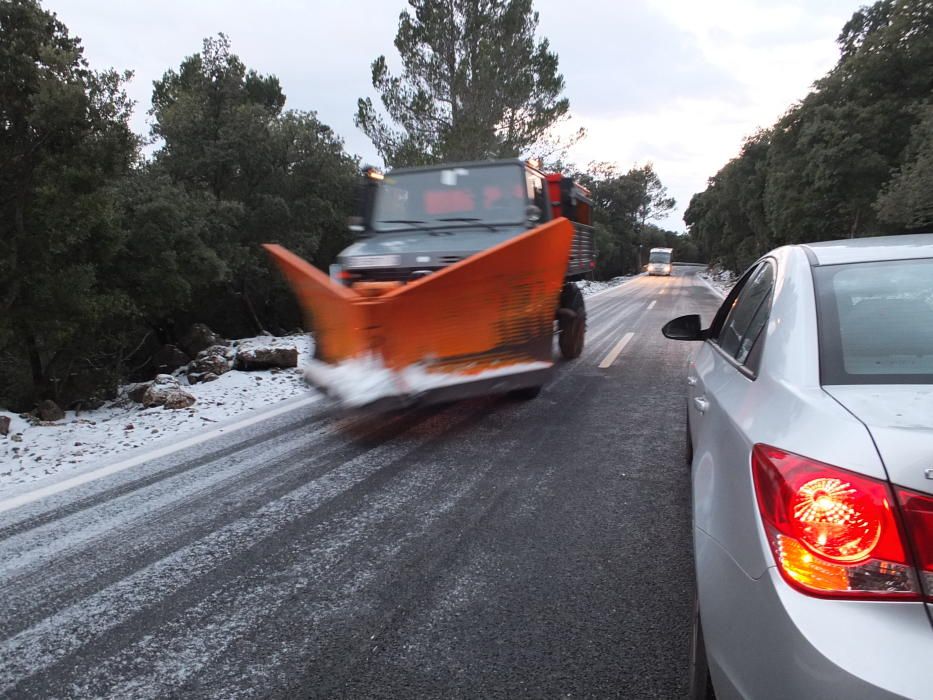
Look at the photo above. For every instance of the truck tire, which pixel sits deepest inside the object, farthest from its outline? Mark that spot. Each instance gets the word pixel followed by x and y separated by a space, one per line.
pixel 571 321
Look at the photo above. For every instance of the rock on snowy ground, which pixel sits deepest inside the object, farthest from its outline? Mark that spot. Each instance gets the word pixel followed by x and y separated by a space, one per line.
pixel 35 451
pixel 265 352
pixel 589 287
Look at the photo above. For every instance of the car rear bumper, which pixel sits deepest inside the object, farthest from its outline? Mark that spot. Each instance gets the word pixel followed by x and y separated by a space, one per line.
pixel 766 640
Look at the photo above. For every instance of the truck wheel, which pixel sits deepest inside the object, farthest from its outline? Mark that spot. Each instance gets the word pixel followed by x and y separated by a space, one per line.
pixel 571 321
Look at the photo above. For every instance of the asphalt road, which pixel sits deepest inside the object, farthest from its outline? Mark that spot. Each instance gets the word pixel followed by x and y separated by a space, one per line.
pixel 488 548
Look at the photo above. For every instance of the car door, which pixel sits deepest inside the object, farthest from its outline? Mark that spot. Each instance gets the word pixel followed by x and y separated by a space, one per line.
pixel 722 381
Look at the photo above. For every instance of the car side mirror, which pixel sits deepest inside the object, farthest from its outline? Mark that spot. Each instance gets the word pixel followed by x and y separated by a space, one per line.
pixel 533 213
pixel 684 328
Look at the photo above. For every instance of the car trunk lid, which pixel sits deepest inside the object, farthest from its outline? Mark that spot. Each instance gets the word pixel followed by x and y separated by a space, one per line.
pixel 900 419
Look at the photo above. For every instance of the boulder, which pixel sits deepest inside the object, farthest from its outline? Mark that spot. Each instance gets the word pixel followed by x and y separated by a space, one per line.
pixel 49 411
pixel 4 425
pixel 165 391
pixel 199 337
pixel 266 357
pixel 136 392
pixel 168 358
pixel 210 364
pixel 179 399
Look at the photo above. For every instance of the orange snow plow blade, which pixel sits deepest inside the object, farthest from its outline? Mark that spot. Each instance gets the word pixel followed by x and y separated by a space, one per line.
pixel 488 317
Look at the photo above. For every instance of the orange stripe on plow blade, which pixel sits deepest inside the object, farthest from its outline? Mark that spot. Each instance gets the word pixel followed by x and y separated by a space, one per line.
pixel 493 309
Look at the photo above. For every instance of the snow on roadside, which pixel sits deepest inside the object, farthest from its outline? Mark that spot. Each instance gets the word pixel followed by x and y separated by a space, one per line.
pixel 34 451
pixel 38 452
pixel 719 279
pixel 589 287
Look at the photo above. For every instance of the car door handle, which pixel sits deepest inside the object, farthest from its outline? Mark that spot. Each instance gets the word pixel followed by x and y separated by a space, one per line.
pixel 701 403
pixel 692 381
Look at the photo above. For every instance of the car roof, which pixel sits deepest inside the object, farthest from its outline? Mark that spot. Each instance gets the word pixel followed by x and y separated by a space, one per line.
pixel 855 250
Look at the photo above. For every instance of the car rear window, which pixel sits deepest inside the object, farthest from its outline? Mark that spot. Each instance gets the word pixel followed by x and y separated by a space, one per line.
pixel 876 322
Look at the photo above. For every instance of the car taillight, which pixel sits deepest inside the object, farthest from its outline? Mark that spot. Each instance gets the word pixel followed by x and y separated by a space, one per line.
pixel 833 532
pixel 918 513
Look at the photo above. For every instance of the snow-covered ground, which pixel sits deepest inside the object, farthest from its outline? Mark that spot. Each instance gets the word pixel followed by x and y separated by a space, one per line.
pixel 589 287
pixel 34 452
pixel 720 280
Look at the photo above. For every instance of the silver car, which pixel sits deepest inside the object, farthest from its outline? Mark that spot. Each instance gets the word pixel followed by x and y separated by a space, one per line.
pixel 810 439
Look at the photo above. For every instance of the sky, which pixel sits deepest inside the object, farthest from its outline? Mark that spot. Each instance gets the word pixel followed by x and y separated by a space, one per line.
pixel 679 83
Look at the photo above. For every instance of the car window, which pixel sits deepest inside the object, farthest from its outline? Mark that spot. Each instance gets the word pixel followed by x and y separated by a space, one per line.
pixel 876 322
pixel 759 320
pixel 748 316
pixel 730 301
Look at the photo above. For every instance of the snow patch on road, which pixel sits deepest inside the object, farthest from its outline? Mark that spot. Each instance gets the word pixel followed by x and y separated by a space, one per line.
pixel 35 452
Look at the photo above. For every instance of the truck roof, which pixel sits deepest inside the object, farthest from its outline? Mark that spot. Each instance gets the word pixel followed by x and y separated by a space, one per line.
pixel 464 164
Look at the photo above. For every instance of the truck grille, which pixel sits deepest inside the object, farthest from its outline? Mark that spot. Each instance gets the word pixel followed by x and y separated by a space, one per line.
pixel 391 274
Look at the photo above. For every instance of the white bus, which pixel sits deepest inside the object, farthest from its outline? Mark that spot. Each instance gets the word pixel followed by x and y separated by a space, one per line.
pixel 659 261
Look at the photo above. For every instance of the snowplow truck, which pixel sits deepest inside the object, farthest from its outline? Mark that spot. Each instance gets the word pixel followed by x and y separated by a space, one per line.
pixel 458 279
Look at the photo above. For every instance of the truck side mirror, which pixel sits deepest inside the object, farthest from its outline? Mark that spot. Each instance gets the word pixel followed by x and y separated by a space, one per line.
pixel 365 201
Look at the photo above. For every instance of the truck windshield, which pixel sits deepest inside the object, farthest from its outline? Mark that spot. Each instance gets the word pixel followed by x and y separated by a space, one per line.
pixel 659 257
pixel 486 194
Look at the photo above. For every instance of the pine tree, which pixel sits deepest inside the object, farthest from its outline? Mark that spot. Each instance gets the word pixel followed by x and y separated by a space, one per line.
pixel 475 84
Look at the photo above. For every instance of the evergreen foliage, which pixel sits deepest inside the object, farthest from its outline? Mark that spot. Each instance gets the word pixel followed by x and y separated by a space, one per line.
pixel 626 205
pixel 853 158
pixel 475 84
pixel 65 144
pixel 271 175
pixel 104 255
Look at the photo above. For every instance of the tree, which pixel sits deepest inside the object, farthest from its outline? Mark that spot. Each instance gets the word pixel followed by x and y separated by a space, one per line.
pixel 906 203
pixel 625 206
pixel 64 143
pixel 851 159
pixel 273 175
pixel 475 84
pixel 653 202
pixel 212 117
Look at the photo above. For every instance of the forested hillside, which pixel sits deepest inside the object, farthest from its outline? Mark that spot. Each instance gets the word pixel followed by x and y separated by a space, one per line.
pixel 853 158
pixel 106 257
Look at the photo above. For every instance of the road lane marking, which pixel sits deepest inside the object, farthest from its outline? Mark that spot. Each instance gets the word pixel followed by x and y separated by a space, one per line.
pixel 68 484
pixel 651 305
pixel 614 353
pixel 662 291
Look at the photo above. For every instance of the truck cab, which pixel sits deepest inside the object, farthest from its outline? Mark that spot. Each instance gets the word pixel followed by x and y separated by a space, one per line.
pixel 415 221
